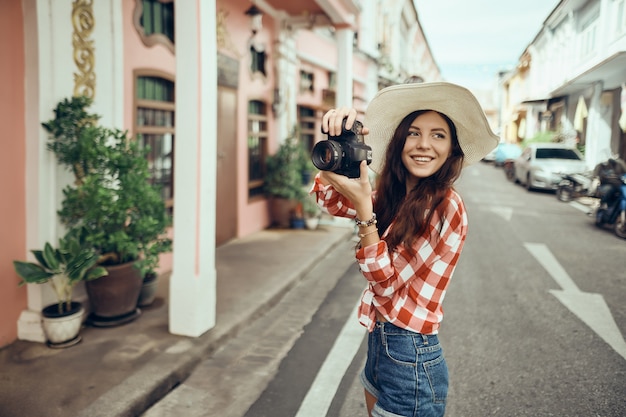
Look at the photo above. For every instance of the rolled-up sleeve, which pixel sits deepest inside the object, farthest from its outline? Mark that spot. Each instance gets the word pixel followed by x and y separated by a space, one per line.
pixel 331 201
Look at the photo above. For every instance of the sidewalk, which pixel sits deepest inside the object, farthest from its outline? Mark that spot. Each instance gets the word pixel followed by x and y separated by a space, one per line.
pixel 121 371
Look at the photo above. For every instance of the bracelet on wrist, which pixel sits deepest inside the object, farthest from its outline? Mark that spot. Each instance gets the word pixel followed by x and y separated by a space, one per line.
pixel 369 222
pixel 362 235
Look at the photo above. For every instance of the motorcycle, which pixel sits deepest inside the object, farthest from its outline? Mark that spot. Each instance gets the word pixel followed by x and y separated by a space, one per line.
pixel 614 212
pixel 509 169
pixel 577 185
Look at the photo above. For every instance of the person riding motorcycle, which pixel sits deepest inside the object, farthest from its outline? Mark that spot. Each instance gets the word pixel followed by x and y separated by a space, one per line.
pixel 609 173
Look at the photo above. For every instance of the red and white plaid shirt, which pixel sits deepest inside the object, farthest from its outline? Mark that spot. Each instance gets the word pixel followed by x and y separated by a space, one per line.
pixel 406 290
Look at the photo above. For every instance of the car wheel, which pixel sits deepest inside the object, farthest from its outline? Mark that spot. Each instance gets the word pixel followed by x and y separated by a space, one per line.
pixel 529 186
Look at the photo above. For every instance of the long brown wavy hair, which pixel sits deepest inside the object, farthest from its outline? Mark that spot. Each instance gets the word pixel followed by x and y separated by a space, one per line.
pixel 413 212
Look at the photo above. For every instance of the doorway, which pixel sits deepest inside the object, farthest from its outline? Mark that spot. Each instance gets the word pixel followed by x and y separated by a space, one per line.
pixel 226 198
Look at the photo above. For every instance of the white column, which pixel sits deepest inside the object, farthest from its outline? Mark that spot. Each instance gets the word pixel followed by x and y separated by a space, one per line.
pixel 50 68
pixel 192 298
pixel 345 38
pixel 287 82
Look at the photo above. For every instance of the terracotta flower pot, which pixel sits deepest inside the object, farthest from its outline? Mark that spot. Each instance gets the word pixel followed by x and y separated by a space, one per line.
pixel 281 210
pixel 113 298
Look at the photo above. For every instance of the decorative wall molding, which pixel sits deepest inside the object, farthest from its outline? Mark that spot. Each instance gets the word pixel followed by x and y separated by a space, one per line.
pixel 224 41
pixel 83 22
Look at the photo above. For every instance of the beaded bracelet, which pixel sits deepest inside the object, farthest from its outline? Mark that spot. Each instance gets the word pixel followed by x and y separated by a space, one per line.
pixel 362 235
pixel 370 222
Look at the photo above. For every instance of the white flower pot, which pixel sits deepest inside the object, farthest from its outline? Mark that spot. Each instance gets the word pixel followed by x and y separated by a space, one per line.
pixel 312 222
pixel 62 329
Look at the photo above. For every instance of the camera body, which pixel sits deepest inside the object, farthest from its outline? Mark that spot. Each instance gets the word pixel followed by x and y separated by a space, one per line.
pixel 342 154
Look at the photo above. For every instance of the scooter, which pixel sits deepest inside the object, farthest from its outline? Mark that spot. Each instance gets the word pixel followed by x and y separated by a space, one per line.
pixel 577 185
pixel 615 211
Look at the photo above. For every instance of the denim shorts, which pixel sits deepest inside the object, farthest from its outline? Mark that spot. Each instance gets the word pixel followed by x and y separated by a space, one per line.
pixel 406 372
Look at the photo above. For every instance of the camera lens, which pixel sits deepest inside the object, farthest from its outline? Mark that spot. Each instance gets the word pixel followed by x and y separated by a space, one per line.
pixel 326 155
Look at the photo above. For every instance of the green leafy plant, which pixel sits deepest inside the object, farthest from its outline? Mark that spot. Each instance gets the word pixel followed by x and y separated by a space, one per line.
pixel 62 267
pixel 283 177
pixel 120 214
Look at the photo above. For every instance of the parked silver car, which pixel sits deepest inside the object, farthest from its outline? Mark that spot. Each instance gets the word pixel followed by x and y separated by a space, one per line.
pixel 542 165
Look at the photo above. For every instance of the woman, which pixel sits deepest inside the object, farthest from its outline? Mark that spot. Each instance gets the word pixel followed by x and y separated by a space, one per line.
pixel 411 230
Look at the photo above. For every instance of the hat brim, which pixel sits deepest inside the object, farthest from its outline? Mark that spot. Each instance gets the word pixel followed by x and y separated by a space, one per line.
pixel 392 104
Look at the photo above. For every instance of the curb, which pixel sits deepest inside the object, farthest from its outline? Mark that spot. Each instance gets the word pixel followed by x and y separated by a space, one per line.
pixel 140 391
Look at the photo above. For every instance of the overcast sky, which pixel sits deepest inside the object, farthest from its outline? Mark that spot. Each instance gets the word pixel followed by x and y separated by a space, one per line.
pixel 472 40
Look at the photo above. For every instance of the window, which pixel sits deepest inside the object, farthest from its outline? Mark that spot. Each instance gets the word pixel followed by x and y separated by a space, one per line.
pixel 556 153
pixel 154 126
pixel 306 81
pixel 328 94
pixel 154 21
pixel 257 147
pixel 588 35
pixel 306 119
pixel 257 60
pixel 332 80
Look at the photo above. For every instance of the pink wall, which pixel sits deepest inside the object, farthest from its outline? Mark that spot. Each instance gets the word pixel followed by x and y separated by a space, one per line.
pixel 252 216
pixel 138 56
pixel 12 168
pixel 324 50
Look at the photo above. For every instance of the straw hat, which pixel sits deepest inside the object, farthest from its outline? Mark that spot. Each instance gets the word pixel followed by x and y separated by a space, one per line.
pixel 392 104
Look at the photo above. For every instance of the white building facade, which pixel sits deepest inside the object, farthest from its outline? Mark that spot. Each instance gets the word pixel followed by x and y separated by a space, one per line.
pixel 570 80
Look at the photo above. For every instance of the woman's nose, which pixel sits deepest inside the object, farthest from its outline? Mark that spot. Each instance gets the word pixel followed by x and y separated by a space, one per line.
pixel 422 142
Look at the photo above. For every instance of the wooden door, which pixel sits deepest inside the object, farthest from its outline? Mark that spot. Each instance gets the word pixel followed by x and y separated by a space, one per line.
pixel 226 202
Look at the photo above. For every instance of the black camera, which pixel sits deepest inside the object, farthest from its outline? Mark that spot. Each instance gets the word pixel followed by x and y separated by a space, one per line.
pixel 342 154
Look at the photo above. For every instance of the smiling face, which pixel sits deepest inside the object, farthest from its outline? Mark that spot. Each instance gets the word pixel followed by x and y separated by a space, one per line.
pixel 427 147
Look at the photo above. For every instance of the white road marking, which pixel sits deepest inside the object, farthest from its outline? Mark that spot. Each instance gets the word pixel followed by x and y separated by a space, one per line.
pixel 322 391
pixel 588 307
pixel 505 212
pixel 581 207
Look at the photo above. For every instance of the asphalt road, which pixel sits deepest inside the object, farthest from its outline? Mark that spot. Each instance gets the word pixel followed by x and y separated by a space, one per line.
pixel 534 324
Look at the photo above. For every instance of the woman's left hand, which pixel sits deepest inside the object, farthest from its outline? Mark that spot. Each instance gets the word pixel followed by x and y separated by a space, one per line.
pixel 357 190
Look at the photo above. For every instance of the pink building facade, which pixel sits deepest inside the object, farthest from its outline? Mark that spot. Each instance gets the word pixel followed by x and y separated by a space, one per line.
pixel 231 67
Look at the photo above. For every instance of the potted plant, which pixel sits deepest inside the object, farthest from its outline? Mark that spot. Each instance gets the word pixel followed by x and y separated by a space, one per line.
pixel 118 212
pixel 297 216
pixel 283 181
pixel 307 168
pixel 150 283
pixel 62 268
pixel 149 288
pixel 312 212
